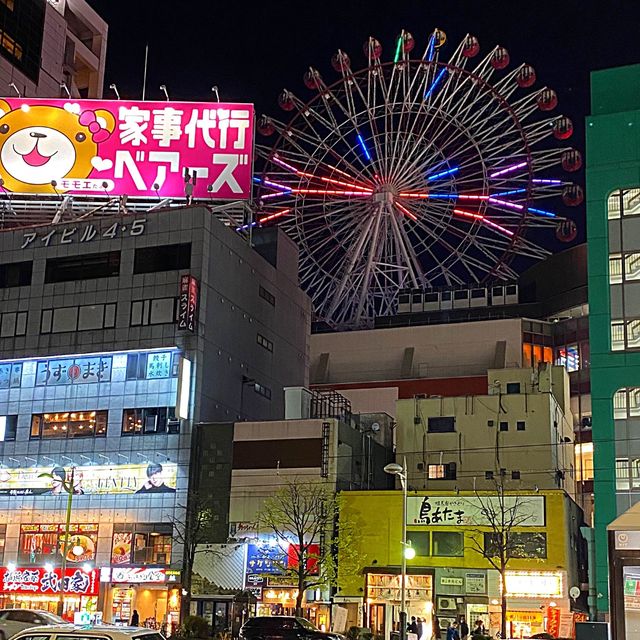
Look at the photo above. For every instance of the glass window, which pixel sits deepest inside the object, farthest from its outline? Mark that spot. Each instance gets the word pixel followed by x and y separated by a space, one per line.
pixel 584 461
pixel 622 474
pixel 148 420
pixel 91 317
pixel 41 543
pixel 632 266
pixel 448 544
pixel 420 541
pixel 171 257
pixel 76 424
pixel 519 545
pixel 617 336
pixel 8 428
pixel 145 544
pixel 83 267
pixel 162 311
pixel 267 295
pixel 65 319
pixel 521 425
pixel 615 268
pixel 15 274
pixel 442 471
pixel 441 424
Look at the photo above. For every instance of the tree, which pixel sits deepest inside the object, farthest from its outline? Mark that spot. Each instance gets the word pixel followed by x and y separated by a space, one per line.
pixel 304 520
pixel 194 531
pixel 497 541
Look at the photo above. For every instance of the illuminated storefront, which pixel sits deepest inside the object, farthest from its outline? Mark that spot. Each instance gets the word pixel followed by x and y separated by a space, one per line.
pixel 40 588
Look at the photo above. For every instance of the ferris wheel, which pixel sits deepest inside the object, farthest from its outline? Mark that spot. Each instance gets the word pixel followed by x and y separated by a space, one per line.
pixel 416 172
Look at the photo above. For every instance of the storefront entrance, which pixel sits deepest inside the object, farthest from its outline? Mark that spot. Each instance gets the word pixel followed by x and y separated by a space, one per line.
pixel 624 576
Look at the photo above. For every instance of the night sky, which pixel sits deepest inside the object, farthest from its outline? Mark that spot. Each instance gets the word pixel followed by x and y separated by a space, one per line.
pixel 253 50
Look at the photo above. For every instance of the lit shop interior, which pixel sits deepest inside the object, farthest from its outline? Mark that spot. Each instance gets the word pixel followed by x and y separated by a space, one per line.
pixel 383 601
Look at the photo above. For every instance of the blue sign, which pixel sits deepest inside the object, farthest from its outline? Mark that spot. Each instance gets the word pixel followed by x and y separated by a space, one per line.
pixel 264 558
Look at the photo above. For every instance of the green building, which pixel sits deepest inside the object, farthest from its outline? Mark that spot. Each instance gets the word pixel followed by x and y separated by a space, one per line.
pixel 613 232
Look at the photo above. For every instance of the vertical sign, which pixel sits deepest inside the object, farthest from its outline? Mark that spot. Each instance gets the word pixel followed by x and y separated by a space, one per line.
pixel 188 303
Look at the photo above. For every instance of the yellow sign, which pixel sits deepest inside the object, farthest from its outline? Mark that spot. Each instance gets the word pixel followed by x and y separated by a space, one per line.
pixel 525 617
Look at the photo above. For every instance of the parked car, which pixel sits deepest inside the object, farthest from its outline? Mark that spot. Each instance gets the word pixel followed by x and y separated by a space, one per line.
pixel 97 632
pixel 14 620
pixel 283 628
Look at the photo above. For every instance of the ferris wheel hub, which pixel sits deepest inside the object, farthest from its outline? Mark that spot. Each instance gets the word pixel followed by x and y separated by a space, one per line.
pixel 385 193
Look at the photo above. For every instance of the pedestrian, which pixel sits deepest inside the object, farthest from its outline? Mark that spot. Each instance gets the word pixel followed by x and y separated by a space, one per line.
pixel 413 627
pixel 464 628
pixel 452 631
pixel 419 628
pixel 479 629
pixel 135 619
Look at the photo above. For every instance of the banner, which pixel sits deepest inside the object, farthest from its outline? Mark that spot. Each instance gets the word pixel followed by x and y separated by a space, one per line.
pixel 139 149
pixel 468 511
pixel 40 581
pixel 94 480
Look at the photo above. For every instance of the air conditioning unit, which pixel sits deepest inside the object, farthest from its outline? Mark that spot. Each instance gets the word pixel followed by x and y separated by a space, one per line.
pixel 447 604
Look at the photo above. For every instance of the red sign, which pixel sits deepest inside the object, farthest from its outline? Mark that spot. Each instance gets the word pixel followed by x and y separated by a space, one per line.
pixel 39 581
pixel 188 303
pixel 312 552
pixel 553 621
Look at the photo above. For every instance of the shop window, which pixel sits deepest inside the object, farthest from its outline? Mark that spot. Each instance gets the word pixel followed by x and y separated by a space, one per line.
pixel 441 424
pixel 8 428
pixel 584 461
pixel 420 541
pixel 76 424
pixel 83 267
pixel 172 257
pixel 149 420
pixel 15 274
pixel 441 471
pixel 267 295
pixel 41 543
pixel 142 544
pixel 518 545
pixel 449 544
pixel 152 366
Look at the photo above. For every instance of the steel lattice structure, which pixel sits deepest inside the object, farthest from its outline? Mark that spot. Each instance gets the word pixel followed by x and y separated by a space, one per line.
pixel 412 173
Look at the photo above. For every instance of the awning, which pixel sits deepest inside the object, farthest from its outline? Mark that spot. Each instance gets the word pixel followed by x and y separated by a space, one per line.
pixel 628 521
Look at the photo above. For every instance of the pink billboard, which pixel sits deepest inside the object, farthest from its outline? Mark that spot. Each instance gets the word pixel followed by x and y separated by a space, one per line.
pixel 141 149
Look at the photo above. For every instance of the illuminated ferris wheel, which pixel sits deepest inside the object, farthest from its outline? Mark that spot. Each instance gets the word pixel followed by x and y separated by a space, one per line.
pixel 417 172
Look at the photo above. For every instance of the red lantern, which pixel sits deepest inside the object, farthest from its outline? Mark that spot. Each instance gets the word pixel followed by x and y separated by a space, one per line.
pixel 408 42
pixel 547 100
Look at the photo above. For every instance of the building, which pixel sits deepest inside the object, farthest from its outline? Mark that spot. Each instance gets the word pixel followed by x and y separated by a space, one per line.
pixel 613 225
pixel 519 435
pixel 448 577
pixel 445 349
pixel 242 464
pixel 117 335
pixel 46 44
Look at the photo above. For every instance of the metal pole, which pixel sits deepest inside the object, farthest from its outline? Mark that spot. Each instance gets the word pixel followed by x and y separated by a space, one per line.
pixel 65 547
pixel 403 603
pixel 144 77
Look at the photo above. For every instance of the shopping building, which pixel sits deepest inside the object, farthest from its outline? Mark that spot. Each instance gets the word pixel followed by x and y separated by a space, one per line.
pixel 448 577
pixel 117 335
pixel 613 224
pixel 52 49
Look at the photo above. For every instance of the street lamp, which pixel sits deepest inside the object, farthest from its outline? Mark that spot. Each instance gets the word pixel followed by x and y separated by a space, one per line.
pixel 396 469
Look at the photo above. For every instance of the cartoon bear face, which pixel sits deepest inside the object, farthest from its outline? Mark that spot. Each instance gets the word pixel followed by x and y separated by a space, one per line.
pixel 42 143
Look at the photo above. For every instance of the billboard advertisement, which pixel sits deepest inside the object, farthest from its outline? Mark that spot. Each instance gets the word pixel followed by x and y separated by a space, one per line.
pixel 142 478
pixel 139 149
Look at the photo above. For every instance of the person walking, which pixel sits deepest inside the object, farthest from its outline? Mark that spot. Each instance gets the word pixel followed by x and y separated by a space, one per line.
pixel 419 628
pixel 464 628
pixel 413 627
pixel 437 632
pixel 452 632
pixel 135 619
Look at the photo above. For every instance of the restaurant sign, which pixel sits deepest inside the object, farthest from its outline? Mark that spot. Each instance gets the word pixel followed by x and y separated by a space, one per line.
pixel 40 581
pixel 138 574
pixel 528 511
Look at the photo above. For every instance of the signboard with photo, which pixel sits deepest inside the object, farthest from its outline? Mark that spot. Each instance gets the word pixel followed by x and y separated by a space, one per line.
pixel 95 480
pixel 139 149
pixel 467 511
pixel 42 543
